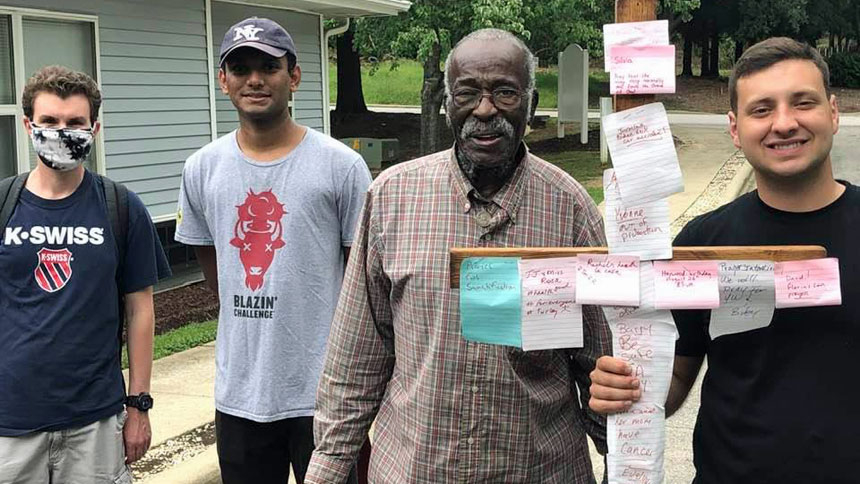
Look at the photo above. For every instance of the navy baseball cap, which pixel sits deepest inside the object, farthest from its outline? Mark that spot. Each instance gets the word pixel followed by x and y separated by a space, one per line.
pixel 260 33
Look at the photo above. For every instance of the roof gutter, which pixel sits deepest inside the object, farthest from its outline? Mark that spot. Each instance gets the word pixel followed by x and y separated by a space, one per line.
pixel 326 103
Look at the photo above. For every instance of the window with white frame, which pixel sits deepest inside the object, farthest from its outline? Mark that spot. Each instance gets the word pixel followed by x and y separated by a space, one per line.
pixel 29 40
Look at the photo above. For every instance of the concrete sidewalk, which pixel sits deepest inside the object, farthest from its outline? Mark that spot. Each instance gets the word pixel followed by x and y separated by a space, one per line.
pixel 183 384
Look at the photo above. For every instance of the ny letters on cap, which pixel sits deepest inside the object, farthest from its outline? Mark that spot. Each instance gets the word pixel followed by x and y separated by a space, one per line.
pixel 260 33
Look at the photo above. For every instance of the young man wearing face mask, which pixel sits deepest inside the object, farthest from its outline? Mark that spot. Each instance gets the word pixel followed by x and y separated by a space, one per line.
pixel 270 209
pixel 64 414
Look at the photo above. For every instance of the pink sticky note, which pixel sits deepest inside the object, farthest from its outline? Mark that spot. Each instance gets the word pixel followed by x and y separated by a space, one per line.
pixel 813 282
pixel 648 69
pixel 610 280
pixel 686 284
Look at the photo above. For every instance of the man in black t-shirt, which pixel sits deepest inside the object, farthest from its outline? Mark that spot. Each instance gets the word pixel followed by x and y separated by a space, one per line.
pixel 776 404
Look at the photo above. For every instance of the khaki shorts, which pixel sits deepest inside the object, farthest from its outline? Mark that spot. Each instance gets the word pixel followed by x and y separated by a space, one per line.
pixel 91 454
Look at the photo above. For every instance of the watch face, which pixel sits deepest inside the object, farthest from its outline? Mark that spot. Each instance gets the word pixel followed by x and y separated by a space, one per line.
pixel 144 402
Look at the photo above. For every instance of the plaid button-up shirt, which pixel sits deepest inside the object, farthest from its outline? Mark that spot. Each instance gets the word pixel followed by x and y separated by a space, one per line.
pixel 449 410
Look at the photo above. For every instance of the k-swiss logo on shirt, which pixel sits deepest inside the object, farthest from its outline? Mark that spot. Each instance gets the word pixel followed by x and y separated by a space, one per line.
pixel 54 269
pixel 258 234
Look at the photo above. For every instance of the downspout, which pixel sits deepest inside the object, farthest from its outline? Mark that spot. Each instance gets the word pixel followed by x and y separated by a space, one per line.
pixel 326 102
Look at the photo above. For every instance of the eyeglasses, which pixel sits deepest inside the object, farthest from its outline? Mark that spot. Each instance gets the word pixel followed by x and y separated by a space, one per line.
pixel 502 98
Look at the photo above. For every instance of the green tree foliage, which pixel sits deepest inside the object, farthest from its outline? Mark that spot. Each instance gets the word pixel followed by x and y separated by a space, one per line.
pixel 555 24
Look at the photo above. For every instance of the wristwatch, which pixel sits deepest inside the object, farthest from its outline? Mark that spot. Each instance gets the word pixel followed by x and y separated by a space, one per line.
pixel 142 402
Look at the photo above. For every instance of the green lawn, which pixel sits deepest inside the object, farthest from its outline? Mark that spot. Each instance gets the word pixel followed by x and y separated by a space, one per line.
pixel 584 166
pixel 180 339
pixel 403 84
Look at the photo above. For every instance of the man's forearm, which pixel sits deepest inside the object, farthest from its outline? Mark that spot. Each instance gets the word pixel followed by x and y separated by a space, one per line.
pixel 684 373
pixel 141 325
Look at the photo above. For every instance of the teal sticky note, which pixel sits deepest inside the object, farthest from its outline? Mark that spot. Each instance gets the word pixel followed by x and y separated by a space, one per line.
pixel 490 300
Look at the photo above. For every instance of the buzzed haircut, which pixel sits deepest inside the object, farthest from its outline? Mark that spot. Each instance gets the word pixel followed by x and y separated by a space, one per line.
pixel 495 35
pixel 769 52
pixel 62 82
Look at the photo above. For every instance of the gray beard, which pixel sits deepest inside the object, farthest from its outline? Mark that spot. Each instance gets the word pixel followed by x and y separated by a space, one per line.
pixel 475 173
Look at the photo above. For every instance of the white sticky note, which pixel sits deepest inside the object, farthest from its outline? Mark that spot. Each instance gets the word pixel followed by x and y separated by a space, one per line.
pixel 641 230
pixel 802 283
pixel 611 280
pixel 692 284
pixel 643 154
pixel 550 316
pixel 746 297
pixel 636 439
pixel 654 32
pixel 648 69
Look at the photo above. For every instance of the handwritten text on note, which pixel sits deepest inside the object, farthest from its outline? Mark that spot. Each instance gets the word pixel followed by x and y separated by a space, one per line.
pixel 646 69
pixel 490 300
pixel 655 32
pixel 643 154
pixel 641 230
pixel 813 282
pixel 611 280
pixel 551 317
pixel 686 284
pixel 636 438
pixel 746 297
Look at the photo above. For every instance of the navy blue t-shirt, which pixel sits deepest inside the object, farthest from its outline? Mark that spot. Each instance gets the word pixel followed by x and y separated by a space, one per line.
pixel 59 352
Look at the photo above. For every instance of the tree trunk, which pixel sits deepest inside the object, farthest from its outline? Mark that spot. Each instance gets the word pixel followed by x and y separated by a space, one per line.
pixel 706 56
pixel 739 49
pixel 687 71
pixel 634 11
pixel 714 67
pixel 350 96
pixel 432 93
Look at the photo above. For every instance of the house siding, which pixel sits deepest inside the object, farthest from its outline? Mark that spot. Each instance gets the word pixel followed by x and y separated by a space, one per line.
pixel 155 83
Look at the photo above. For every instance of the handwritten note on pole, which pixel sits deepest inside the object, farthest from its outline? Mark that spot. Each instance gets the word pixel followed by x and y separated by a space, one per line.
pixel 611 280
pixel 551 318
pixel 636 438
pixel 746 297
pixel 490 300
pixel 686 284
pixel 813 282
pixel 646 297
pixel 643 154
pixel 654 32
pixel 647 69
pixel 641 230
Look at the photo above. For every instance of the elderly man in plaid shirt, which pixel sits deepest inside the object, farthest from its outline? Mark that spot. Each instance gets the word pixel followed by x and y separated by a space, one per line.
pixel 447 409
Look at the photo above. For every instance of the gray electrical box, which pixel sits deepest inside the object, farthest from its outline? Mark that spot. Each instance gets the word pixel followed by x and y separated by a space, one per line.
pixel 374 150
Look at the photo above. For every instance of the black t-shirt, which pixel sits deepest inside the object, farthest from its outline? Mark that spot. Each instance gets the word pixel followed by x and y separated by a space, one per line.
pixel 59 360
pixel 779 404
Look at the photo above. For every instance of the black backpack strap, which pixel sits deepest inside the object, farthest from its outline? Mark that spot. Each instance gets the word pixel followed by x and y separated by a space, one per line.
pixel 10 190
pixel 116 197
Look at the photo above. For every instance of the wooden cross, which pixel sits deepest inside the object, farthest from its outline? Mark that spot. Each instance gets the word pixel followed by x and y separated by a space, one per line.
pixel 776 253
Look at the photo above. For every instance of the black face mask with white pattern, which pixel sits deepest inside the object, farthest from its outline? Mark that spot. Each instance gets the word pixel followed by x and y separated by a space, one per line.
pixel 62 149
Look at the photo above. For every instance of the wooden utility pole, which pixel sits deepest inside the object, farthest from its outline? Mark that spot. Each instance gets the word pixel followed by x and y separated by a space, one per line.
pixel 634 11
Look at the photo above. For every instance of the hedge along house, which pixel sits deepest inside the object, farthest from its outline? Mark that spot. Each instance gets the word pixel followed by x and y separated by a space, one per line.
pixel 156 62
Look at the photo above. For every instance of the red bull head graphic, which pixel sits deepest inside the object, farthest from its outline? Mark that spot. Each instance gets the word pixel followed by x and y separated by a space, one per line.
pixel 258 234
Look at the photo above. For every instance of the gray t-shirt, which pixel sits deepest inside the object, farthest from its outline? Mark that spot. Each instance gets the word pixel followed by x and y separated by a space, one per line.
pixel 278 228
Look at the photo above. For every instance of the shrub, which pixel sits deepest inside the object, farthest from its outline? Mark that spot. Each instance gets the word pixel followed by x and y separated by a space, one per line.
pixel 845 69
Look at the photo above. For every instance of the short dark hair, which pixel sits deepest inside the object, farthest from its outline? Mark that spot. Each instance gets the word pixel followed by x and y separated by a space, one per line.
pixel 767 53
pixel 63 82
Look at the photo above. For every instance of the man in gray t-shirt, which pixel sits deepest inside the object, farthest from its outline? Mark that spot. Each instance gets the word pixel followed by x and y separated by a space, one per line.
pixel 270 209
